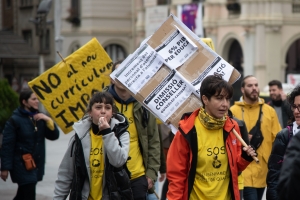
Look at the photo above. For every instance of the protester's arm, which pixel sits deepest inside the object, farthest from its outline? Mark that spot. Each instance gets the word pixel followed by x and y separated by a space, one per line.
pixel 50 130
pixel 178 167
pixel 275 163
pixel 65 174
pixel 117 155
pixel 153 149
pixel 289 179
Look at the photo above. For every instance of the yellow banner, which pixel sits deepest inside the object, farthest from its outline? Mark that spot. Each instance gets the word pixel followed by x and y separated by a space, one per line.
pixel 65 89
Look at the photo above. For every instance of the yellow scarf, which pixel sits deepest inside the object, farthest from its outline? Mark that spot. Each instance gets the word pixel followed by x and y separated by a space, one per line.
pixel 210 122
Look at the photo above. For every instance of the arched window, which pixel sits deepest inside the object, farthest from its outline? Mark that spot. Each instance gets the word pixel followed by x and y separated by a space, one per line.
pixel 293 58
pixel 235 58
pixel 116 52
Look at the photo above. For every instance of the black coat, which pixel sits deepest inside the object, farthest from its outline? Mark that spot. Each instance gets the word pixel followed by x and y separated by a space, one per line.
pixel 289 179
pixel 20 138
pixel 275 161
pixel 286 111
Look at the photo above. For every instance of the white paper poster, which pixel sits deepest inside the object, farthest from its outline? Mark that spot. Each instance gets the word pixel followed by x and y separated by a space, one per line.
pixel 142 65
pixel 177 49
pixel 165 99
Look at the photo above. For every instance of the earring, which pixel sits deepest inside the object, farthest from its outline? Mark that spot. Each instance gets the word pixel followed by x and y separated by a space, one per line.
pixel 90 118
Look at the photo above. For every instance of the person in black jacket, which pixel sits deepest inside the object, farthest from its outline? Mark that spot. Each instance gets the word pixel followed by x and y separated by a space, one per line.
pixel 25 133
pixel 279 103
pixel 289 179
pixel 280 144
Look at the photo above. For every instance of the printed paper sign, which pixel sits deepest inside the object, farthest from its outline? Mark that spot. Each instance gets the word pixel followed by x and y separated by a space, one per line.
pixel 219 66
pixel 141 67
pixel 66 88
pixel 177 49
pixel 165 99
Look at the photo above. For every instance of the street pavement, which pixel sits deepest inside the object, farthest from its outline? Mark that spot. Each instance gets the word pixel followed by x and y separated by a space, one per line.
pixel 54 154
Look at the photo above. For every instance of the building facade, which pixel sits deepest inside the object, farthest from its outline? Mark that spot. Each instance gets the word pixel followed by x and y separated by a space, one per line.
pixel 257 37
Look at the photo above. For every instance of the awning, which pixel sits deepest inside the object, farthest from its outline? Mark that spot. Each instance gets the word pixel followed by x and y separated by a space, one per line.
pixel 14 46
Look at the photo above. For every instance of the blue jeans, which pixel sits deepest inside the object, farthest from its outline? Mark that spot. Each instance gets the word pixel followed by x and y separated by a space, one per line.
pixel 251 193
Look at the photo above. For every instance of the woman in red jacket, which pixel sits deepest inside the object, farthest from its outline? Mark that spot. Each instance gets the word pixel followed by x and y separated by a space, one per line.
pixel 205 156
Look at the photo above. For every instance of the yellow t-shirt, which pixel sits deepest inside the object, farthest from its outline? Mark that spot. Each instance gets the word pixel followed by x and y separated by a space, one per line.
pixel 135 165
pixel 96 167
pixel 212 173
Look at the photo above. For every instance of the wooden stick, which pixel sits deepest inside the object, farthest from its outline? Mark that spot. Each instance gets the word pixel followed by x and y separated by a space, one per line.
pixel 156 195
pixel 243 143
pixel 61 57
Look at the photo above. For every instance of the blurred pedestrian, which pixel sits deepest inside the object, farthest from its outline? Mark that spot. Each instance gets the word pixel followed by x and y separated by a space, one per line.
pixel 23 148
pixel 279 102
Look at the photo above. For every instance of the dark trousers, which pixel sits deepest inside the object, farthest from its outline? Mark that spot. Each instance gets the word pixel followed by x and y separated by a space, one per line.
pixel 139 187
pixel 251 193
pixel 164 190
pixel 26 192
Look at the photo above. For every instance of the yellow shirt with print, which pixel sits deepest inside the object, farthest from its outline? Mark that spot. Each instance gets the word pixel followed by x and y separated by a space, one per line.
pixel 212 172
pixel 96 167
pixel 135 165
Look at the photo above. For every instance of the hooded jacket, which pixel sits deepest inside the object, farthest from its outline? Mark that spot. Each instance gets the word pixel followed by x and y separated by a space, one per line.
pixel 255 174
pixel 183 156
pixel 20 138
pixel 148 134
pixel 74 176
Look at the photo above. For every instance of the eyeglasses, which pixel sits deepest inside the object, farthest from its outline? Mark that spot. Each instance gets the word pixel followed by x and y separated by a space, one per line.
pixel 293 107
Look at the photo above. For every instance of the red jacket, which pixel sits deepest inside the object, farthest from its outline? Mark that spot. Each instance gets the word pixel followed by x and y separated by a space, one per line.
pixel 183 155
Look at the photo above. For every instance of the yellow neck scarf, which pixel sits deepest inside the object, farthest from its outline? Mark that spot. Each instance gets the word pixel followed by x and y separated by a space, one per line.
pixel 210 122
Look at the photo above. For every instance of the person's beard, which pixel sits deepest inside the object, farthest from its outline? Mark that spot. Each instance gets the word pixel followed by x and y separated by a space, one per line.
pixel 276 97
pixel 251 97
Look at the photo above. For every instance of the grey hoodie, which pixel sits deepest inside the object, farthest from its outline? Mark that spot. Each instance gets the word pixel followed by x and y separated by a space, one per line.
pixel 116 154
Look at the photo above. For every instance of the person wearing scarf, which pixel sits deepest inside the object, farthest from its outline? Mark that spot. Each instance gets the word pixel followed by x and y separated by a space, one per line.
pixel 205 156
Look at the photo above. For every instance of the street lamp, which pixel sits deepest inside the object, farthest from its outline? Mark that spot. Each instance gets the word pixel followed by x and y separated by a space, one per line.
pixel 41 22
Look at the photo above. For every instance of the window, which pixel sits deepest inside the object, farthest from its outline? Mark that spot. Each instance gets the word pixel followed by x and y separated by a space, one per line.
pixel 74 13
pixel 115 52
pixel 27 35
pixel 45 42
pixel 25 3
pixel 8 3
pixel 296 6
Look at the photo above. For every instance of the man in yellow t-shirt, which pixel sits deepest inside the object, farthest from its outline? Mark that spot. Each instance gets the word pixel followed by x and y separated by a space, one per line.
pixel 205 155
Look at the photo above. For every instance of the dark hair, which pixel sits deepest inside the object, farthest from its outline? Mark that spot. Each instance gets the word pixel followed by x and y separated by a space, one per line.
pixel 275 82
pixel 243 81
pixel 24 95
pixel 291 98
pixel 101 97
pixel 115 64
pixel 213 85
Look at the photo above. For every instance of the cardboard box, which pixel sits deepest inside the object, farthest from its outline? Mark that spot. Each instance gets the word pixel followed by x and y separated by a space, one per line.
pixel 193 70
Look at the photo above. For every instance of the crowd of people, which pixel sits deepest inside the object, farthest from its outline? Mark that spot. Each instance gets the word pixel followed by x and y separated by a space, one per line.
pixel 120 150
